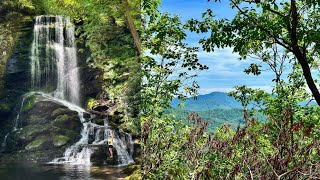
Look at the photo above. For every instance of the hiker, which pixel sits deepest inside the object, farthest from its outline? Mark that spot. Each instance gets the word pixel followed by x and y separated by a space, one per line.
pixel 110 144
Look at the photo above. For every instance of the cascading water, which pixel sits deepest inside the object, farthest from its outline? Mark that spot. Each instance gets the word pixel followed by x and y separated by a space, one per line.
pixel 4 143
pixel 54 67
pixel 16 122
pixel 55 77
pixel 80 152
pixel 54 58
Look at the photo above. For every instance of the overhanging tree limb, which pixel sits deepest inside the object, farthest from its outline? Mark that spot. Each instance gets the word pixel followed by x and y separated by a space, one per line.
pixel 293 46
pixel 132 27
pixel 302 59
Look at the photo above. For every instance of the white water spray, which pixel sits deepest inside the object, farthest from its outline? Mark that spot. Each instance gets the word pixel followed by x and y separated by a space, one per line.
pixel 54 58
pixel 4 143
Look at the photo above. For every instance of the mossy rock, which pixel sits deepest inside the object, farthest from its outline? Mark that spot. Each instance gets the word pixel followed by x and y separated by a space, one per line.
pixel 5 106
pixel 116 118
pixel 131 168
pixel 30 132
pixel 33 120
pixel 67 121
pixel 136 175
pixel 99 121
pixel 73 135
pixel 28 103
pixel 43 108
pixel 60 140
pixel 61 111
pixel 39 143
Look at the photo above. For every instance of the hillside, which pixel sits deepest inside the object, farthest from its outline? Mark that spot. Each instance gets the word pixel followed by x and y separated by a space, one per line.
pixel 217 108
pixel 214 100
pixel 215 117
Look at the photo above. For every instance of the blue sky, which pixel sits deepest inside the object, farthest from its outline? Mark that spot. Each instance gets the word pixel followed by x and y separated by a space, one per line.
pixel 225 70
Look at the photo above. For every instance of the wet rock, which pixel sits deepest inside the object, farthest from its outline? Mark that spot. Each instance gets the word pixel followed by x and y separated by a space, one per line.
pixel 99 121
pixel 131 169
pixel 91 84
pixel 87 116
pixel 68 121
pixel 61 111
pixel 39 143
pixel 28 133
pixel 46 126
pixel 101 156
pixel 60 140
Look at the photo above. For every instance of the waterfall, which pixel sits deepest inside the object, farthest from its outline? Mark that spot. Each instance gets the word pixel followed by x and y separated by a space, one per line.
pixel 16 122
pixel 4 143
pixel 80 152
pixel 54 58
pixel 54 72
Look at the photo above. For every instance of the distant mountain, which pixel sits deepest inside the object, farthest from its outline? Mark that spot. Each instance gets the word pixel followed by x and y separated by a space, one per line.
pixel 215 117
pixel 214 100
pixel 217 107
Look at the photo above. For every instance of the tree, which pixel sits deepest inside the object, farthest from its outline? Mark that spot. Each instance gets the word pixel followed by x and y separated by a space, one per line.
pixel 169 66
pixel 108 31
pixel 293 25
pixel 132 26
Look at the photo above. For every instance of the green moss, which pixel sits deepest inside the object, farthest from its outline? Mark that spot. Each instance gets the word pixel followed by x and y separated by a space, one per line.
pixel 72 135
pixel 64 117
pixel 37 143
pixel 91 103
pixel 30 132
pixel 60 111
pixel 135 171
pixel 29 102
pixel 8 37
pixel 66 121
pixel 100 122
pixel 4 106
pixel 129 127
pixel 60 140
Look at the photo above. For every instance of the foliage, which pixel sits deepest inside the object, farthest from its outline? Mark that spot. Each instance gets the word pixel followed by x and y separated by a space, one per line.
pixel 276 32
pixel 286 146
pixel 102 27
pixel 26 7
pixel 168 63
pixel 259 26
pixel 215 117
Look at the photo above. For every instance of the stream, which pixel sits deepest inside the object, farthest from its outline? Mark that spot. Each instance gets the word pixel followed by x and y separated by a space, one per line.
pixel 32 171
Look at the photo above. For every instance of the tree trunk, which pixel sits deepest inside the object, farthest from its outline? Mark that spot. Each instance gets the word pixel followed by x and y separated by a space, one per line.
pixel 132 27
pixel 302 59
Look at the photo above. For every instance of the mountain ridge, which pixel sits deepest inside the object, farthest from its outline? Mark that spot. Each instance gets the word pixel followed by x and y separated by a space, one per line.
pixel 213 100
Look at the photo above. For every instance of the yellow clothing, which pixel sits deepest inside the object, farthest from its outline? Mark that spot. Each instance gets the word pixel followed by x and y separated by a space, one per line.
pixel 110 141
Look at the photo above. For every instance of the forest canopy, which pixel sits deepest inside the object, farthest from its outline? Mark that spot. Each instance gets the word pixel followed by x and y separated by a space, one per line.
pixel 144 61
pixel 286 145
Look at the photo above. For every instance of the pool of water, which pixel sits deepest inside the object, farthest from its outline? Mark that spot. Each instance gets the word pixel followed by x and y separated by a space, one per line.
pixel 58 172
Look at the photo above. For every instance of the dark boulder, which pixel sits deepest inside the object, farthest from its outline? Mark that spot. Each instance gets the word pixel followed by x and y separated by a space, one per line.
pixel 46 126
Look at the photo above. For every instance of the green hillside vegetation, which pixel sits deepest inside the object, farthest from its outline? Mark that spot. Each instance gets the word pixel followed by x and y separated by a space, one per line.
pixel 215 117
pixel 145 62
pixel 275 33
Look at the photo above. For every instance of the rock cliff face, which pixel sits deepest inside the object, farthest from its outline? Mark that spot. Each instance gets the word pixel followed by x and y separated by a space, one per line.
pixel 15 37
